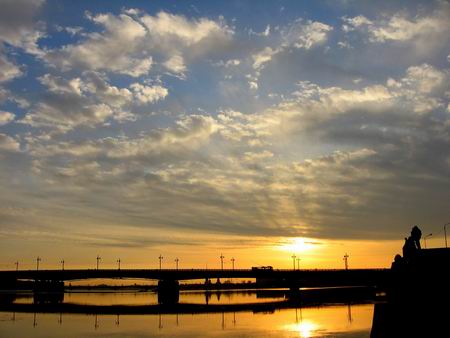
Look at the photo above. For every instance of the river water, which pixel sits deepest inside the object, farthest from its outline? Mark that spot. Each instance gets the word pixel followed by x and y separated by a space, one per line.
pixel 228 314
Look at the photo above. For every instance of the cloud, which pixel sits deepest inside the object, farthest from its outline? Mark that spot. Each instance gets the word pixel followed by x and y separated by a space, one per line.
pixel 322 143
pixel 427 33
pixel 148 94
pixel 169 28
pixel 264 56
pixel 116 49
pixel 130 42
pixel 176 65
pixel 306 34
pixel 6 117
pixel 8 70
pixel 69 103
pixel 8 144
pixel 187 133
pixel 18 26
pixel 424 86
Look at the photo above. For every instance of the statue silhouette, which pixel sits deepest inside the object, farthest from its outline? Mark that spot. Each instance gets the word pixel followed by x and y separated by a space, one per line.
pixel 412 243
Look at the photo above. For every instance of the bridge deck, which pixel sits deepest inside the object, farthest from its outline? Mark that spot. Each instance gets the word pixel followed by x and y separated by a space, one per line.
pixel 351 276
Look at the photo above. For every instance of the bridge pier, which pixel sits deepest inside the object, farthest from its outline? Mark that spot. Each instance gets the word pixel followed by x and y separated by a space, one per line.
pixel 168 291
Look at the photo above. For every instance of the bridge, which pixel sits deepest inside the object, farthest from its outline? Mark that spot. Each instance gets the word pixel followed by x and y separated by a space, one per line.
pixel 168 279
pixel 314 277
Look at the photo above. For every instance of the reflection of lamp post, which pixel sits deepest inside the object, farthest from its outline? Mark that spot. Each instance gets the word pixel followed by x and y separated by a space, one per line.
pixel 445 233
pixel 425 239
pixel 294 257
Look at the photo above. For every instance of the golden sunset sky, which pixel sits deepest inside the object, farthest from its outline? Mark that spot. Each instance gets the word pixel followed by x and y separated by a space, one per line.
pixel 252 129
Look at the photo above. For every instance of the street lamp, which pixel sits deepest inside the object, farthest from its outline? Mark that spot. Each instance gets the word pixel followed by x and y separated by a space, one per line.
pixel 176 262
pixel 346 261
pixel 118 262
pixel 294 257
pixel 160 261
pixel 425 239
pixel 445 233
pixel 37 263
pixel 98 260
pixel 62 264
pixel 17 265
pixel 232 262
pixel 221 260
pixel 298 263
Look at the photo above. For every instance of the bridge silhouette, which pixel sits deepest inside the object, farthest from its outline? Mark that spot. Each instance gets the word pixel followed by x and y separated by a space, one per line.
pixel 313 277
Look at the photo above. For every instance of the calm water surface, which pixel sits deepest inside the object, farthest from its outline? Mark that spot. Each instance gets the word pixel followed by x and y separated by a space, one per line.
pixel 325 321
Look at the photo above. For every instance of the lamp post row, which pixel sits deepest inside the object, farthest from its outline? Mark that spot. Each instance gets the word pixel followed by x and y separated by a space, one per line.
pixel 294 257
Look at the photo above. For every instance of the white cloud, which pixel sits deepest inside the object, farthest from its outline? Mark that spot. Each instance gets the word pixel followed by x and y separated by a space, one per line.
pixel 78 101
pixel 117 48
pixel 355 22
pixel 176 65
pixel 425 32
pixel 7 143
pixel 148 94
pixel 128 44
pixel 426 79
pixel 401 28
pixel 8 70
pixel 165 27
pixel 423 87
pixel 61 85
pixel 306 34
pixel 6 117
pixel 264 56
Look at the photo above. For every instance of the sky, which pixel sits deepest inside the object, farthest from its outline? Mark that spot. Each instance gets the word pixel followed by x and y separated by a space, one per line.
pixel 191 129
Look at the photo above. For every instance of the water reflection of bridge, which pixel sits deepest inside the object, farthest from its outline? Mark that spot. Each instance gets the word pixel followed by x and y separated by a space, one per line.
pixel 223 312
pixel 179 309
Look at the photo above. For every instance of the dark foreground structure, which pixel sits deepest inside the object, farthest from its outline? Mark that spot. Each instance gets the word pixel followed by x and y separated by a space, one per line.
pixel 417 298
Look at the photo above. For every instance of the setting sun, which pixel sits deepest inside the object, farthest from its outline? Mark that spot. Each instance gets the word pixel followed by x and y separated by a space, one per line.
pixel 298 245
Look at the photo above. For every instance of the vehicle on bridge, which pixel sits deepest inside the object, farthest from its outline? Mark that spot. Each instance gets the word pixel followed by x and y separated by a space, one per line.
pixel 265 268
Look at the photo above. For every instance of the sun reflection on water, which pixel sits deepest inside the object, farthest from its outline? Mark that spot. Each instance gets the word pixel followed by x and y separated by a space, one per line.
pixel 305 328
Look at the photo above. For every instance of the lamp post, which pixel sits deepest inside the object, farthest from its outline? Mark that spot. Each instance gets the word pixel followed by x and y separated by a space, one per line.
pixel 425 239
pixel 298 263
pixel 346 261
pixel 160 261
pixel 445 233
pixel 294 257
pixel 17 265
pixel 118 263
pixel 98 260
pixel 62 264
pixel 38 259
pixel 232 262
pixel 176 262
pixel 221 260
